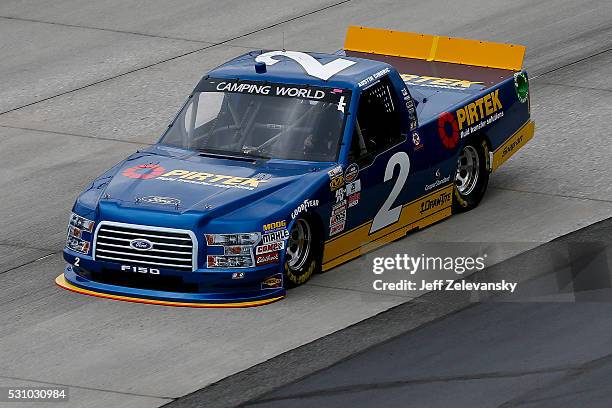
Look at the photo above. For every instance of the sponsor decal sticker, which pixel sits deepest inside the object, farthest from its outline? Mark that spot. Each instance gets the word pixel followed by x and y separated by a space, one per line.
pixel 276 236
pixel 448 130
pixel 437 183
pixel 435 82
pixel 351 173
pixel 276 225
pixel 340 195
pixel 336 182
pixel 353 193
pixel 337 221
pixel 340 207
pixel 337 96
pixel 338 218
pixel 508 149
pixel 521 85
pixel 267 258
pixel 353 187
pixel 433 203
pixel 413 124
pixel 469 119
pixel 159 200
pixel 273 282
pixel 271 247
pixel 412 116
pixel 341 104
pixel 304 206
pixel 276 90
pixel 237 275
pixel 416 140
pixel 353 199
pixel 480 113
pixel 333 230
pixel 144 171
pixel 151 171
pixel 370 79
pixel 335 172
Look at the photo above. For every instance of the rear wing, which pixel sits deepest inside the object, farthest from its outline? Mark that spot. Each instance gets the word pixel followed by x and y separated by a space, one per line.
pixel 436 48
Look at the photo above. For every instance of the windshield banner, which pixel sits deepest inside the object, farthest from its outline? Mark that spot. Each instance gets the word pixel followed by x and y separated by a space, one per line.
pixel 316 93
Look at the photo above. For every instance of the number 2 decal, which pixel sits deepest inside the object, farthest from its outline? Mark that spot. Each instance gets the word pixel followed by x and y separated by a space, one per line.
pixel 311 65
pixel 77 261
pixel 387 215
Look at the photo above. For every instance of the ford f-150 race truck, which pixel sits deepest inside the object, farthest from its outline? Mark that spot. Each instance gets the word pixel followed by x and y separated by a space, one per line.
pixel 281 164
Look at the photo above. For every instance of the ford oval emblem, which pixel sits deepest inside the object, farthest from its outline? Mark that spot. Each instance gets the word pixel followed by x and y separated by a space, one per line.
pixel 141 244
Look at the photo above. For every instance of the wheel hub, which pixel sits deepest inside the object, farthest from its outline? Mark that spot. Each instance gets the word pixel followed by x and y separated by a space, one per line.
pixel 468 167
pixel 298 244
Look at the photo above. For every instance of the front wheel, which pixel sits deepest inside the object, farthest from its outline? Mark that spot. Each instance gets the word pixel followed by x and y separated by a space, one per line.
pixel 301 258
pixel 471 177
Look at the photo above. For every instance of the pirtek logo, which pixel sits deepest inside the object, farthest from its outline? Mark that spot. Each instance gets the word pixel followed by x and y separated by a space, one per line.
pixel 508 149
pixel 150 171
pixel 429 204
pixel 435 81
pixel 479 109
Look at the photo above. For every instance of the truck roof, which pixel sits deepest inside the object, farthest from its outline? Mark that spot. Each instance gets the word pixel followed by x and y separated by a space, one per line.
pixel 443 71
pixel 286 70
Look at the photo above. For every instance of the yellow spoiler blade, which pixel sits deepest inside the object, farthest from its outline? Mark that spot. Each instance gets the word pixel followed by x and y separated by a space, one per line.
pixel 434 48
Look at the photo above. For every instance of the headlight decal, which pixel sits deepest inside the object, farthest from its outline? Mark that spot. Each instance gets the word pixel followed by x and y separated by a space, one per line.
pixel 236 250
pixel 80 231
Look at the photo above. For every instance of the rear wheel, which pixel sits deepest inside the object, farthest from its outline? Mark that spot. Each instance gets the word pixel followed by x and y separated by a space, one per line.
pixel 471 176
pixel 302 257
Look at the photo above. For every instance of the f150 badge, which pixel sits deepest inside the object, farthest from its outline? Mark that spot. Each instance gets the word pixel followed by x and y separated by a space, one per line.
pixel 140 269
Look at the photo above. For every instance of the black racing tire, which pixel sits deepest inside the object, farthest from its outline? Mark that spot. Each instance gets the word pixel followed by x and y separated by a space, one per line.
pixel 472 175
pixel 304 236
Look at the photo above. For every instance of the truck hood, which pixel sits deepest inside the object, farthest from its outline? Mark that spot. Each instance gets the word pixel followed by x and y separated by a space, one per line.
pixel 191 183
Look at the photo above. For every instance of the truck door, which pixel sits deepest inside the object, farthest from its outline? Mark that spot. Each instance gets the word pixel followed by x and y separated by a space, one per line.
pixel 380 149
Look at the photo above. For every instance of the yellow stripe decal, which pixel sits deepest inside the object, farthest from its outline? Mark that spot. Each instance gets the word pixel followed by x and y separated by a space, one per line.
pixel 513 144
pixel 390 237
pixel 419 213
pixel 62 282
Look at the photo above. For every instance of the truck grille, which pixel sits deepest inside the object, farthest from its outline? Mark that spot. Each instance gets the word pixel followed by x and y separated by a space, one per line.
pixel 173 249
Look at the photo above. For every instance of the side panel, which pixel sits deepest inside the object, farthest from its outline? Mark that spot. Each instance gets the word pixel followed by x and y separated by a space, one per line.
pixel 498 113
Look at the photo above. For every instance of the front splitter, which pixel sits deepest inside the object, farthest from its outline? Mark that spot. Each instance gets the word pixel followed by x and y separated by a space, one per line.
pixel 62 282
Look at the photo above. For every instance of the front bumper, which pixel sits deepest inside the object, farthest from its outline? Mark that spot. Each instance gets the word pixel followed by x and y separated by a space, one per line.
pixel 202 288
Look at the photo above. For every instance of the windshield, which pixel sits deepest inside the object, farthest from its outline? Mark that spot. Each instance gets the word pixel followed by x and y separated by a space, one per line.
pixel 245 118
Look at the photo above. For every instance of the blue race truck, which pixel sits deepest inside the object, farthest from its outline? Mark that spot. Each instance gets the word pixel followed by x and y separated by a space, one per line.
pixel 281 164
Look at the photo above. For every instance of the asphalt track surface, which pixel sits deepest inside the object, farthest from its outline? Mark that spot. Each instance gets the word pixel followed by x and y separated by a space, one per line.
pixel 546 345
pixel 85 84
